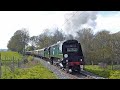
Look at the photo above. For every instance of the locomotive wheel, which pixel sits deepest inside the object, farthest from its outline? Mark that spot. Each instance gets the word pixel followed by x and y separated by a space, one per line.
pixel 67 68
pixel 52 60
pixel 79 69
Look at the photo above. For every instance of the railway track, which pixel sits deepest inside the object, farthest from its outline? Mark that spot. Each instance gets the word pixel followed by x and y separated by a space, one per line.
pixel 82 75
pixel 73 75
pixel 62 74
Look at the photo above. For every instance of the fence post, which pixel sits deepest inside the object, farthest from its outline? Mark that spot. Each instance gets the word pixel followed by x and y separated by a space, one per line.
pixel 13 65
pixel 112 65
pixel 0 66
pixel 18 63
pixel 5 66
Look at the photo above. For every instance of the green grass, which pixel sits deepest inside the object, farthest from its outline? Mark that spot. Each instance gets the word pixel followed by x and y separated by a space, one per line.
pixel 30 58
pixel 32 69
pixel 107 73
pixel 9 55
pixel 35 72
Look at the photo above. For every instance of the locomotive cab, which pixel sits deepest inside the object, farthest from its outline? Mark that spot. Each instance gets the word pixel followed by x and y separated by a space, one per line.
pixel 72 55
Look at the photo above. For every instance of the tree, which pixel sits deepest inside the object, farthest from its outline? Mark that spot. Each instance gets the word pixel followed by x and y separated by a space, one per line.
pixel 47 38
pixel 44 39
pixel 33 41
pixel 85 37
pixel 103 46
pixel 30 48
pixel 19 40
pixel 58 36
pixel 115 45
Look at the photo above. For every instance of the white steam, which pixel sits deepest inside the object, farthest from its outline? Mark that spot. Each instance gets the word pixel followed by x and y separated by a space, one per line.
pixel 80 19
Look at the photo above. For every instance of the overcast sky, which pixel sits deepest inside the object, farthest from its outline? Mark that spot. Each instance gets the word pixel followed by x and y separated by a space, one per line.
pixel 36 21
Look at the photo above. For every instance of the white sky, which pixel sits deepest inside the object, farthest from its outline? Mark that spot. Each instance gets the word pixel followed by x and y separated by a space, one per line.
pixel 36 21
pixel 109 22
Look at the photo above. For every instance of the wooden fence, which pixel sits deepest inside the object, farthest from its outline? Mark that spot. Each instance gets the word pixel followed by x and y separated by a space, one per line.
pixel 10 62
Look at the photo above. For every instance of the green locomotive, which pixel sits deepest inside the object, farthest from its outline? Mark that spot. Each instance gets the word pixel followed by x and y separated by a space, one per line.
pixel 68 54
pixel 54 51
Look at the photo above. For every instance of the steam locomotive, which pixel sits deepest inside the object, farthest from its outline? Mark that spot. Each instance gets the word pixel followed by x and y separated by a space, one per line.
pixel 66 54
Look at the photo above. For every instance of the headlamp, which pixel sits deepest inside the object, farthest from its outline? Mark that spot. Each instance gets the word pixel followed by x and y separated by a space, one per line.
pixel 66 55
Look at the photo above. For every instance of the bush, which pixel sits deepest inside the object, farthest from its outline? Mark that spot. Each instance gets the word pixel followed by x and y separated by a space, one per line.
pixel 107 73
pixel 30 58
pixel 115 74
pixel 36 72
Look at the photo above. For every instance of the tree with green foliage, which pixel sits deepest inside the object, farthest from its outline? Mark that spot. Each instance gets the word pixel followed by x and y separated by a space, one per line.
pixel 30 48
pixel 47 38
pixel 44 40
pixel 85 37
pixel 103 47
pixel 58 36
pixel 18 41
pixel 115 45
pixel 33 41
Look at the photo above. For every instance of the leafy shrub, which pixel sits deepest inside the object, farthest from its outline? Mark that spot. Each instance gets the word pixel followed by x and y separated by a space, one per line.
pixel 115 74
pixel 36 72
pixel 30 58
pixel 107 73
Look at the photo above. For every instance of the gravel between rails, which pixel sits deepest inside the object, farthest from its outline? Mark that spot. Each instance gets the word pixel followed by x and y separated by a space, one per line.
pixel 55 70
pixel 61 74
pixel 91 75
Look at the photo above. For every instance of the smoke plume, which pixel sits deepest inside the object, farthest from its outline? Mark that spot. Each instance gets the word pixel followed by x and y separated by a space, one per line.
pixel 80 19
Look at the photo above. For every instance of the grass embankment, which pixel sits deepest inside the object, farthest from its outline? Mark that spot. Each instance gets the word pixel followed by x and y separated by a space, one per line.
pixel 34 72
pixel 107 72
pixel 10 56
pixel 31 70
